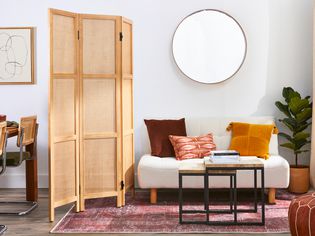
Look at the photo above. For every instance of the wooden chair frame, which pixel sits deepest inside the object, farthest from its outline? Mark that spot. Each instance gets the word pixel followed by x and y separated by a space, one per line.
pixel 21 142
pixel 3 143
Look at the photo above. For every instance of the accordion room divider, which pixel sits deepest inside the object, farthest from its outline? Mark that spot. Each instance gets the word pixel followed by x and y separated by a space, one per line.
pixel 91 137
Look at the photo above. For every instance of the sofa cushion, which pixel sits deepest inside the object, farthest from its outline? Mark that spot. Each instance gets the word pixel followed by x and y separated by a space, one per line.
pixel 186 147
pixel 217 125
pixel 251 139
pixel 159 130
pixel 154 172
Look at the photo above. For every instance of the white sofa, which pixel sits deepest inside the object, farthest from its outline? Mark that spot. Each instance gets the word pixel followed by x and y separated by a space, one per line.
pixel 157 173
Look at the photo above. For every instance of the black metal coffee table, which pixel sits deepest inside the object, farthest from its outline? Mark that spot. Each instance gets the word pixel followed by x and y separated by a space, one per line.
pixel 210 169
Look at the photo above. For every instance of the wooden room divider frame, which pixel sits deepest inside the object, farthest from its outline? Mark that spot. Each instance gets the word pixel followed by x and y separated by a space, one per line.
pixel 91 134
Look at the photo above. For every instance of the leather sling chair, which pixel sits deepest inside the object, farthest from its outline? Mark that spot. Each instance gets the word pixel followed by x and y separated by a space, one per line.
pixel 26 135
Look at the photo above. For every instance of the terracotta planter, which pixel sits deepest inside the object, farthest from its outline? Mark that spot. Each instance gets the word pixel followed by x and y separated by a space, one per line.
pixel 299 179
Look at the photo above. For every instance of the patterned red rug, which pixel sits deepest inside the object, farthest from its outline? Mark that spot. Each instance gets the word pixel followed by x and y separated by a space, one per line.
pixel 139 216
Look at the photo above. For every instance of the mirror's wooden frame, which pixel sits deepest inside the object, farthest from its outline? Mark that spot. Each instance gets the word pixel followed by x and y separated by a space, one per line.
pixel 243 32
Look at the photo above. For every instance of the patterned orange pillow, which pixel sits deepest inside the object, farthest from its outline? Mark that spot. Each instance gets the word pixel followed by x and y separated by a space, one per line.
pixel 192 147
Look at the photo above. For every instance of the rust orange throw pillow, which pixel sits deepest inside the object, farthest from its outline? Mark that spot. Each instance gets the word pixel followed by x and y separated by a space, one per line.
pixel 251 139
pixel 192 147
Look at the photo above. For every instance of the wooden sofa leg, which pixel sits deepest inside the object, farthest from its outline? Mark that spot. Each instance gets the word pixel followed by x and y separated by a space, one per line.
pixel 272 196
pixel 153 195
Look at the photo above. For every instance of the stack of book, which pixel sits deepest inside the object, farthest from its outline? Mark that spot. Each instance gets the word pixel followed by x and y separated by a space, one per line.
pixel 224 156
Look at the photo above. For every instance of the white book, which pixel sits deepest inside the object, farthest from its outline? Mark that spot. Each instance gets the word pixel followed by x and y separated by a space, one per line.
pixel 225 160
pixel 224 153
pixel 232 157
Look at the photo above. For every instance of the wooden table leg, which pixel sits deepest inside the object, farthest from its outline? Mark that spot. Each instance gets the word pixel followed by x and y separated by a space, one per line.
pixel 31 181
pixel 31 171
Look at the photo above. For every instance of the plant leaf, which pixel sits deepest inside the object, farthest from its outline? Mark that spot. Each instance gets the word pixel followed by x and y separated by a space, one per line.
pixel 283 108
pixel 288 93
pixel 286 136
pixel 300 143
pixel 301 151
pixel 302 127
pixel 290 123
pixel 288 145
pixel 296 105
pixel 305 115
pixel 301 135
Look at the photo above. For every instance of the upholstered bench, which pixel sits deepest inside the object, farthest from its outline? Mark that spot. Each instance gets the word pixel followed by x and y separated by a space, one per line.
pixel 162 173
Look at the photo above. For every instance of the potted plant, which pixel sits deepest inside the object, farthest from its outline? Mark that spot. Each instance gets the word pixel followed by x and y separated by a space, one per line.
pixel 298 112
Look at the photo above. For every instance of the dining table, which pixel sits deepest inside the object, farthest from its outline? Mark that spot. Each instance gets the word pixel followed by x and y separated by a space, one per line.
pixel 31 173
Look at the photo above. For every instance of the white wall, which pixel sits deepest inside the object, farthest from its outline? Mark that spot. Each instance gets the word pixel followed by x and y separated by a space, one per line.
pixel 279 35
pixel 290 54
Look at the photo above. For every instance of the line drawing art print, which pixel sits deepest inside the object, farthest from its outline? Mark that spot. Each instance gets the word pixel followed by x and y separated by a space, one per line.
pixel 16 55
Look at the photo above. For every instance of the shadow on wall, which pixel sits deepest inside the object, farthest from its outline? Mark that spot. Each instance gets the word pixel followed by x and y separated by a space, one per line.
pixel 289 60
pixel 143 142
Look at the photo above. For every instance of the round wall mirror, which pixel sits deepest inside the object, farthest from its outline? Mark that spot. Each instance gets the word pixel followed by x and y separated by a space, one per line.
pixel 209 46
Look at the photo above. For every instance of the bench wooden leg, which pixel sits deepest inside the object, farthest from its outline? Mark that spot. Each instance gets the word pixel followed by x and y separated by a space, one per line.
pixel 272 196
pixel 153 195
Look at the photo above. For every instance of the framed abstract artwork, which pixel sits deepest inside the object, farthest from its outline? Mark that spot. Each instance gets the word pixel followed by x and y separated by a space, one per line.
pixel 17 55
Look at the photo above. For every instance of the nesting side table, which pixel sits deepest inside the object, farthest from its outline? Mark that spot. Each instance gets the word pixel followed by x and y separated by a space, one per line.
pixel 207 169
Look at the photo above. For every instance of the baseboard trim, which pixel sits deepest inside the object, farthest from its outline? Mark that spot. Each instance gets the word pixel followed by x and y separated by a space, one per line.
pixel 18 181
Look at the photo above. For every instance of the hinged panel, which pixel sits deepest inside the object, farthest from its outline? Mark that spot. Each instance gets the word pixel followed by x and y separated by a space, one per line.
pixel 127 107
pixel 100 106
pixel 64 110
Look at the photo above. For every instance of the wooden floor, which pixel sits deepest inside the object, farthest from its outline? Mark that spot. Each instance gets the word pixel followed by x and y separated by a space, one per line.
pixel 36 223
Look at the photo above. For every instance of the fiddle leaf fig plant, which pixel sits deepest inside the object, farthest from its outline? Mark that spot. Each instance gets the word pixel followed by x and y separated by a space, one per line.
pixel 298 112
